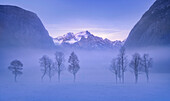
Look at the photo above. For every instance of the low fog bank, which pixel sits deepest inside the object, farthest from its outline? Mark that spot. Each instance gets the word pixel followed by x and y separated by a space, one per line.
pixel 94 64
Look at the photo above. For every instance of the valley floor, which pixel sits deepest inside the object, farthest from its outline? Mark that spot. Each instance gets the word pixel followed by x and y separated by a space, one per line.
pixel 94 80
pixel 157 90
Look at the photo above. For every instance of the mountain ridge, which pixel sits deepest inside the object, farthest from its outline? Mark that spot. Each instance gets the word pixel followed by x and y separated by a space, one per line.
pixel 86 40
pixel 22 28
pixel 153 29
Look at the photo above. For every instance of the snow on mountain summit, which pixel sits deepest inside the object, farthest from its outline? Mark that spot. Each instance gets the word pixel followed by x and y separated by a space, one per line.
pixel 71 38
pixel 85 40
pixel 84 34
pixel 68 38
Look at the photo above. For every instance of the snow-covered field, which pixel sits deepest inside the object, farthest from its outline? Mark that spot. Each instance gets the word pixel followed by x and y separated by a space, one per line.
pixel 157 90
pixel 94 82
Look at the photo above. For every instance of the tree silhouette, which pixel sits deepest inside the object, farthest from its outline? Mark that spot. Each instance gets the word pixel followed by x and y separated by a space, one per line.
pixel 147 64
pixel 123 61
pixel 114 68
pixel 73 64
pixel 135 64
pixel 16 68
pixel 47 65
pixel 59 64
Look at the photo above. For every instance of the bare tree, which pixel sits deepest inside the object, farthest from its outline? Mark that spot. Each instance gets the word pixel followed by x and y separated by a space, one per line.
pixel 50 69
pixel 59 64
pixel 73 64
pixel 135 64
pixel 147 64
pixel 123 61
pixel 115 68
pixel 119 69
pixel 16 68
pixel 47 65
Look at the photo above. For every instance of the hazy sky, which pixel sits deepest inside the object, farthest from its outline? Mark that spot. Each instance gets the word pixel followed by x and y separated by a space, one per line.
pixel 111 19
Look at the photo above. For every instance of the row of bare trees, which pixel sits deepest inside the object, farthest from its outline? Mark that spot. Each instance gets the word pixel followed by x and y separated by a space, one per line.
pixel 137 65
pixel 119 65
pixel 141 64
pixel 50 68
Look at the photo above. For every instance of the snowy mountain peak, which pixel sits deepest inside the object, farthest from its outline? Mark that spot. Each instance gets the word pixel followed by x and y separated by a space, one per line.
pixel 86 40
pixel 71 37
pixel 84 33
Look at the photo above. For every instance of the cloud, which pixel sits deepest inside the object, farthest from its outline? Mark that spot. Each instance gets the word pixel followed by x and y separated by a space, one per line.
pixel 102 31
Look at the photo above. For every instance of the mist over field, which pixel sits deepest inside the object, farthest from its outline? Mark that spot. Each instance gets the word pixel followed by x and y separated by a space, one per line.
pixel 85 50
pixel 94 77
pixel 94 64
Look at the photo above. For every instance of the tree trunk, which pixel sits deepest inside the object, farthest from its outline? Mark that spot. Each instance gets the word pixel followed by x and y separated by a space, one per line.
pixel 15 78
pixel 122 69
pixel 58 76
pixel 116 78
pixel 136 78
pixel 147 77
pixel 120 79
pixel 74 77
pixel 42 77
pixel 122 76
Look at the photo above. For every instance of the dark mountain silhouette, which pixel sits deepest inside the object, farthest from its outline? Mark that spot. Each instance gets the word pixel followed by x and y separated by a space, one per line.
pixel 22 28
pixel 153 29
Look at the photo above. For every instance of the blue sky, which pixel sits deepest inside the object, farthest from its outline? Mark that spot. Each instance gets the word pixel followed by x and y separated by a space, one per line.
pixel 111 19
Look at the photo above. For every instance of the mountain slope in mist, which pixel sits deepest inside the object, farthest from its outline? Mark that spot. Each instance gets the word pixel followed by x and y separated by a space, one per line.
pixel 153 29
pixel 22 28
